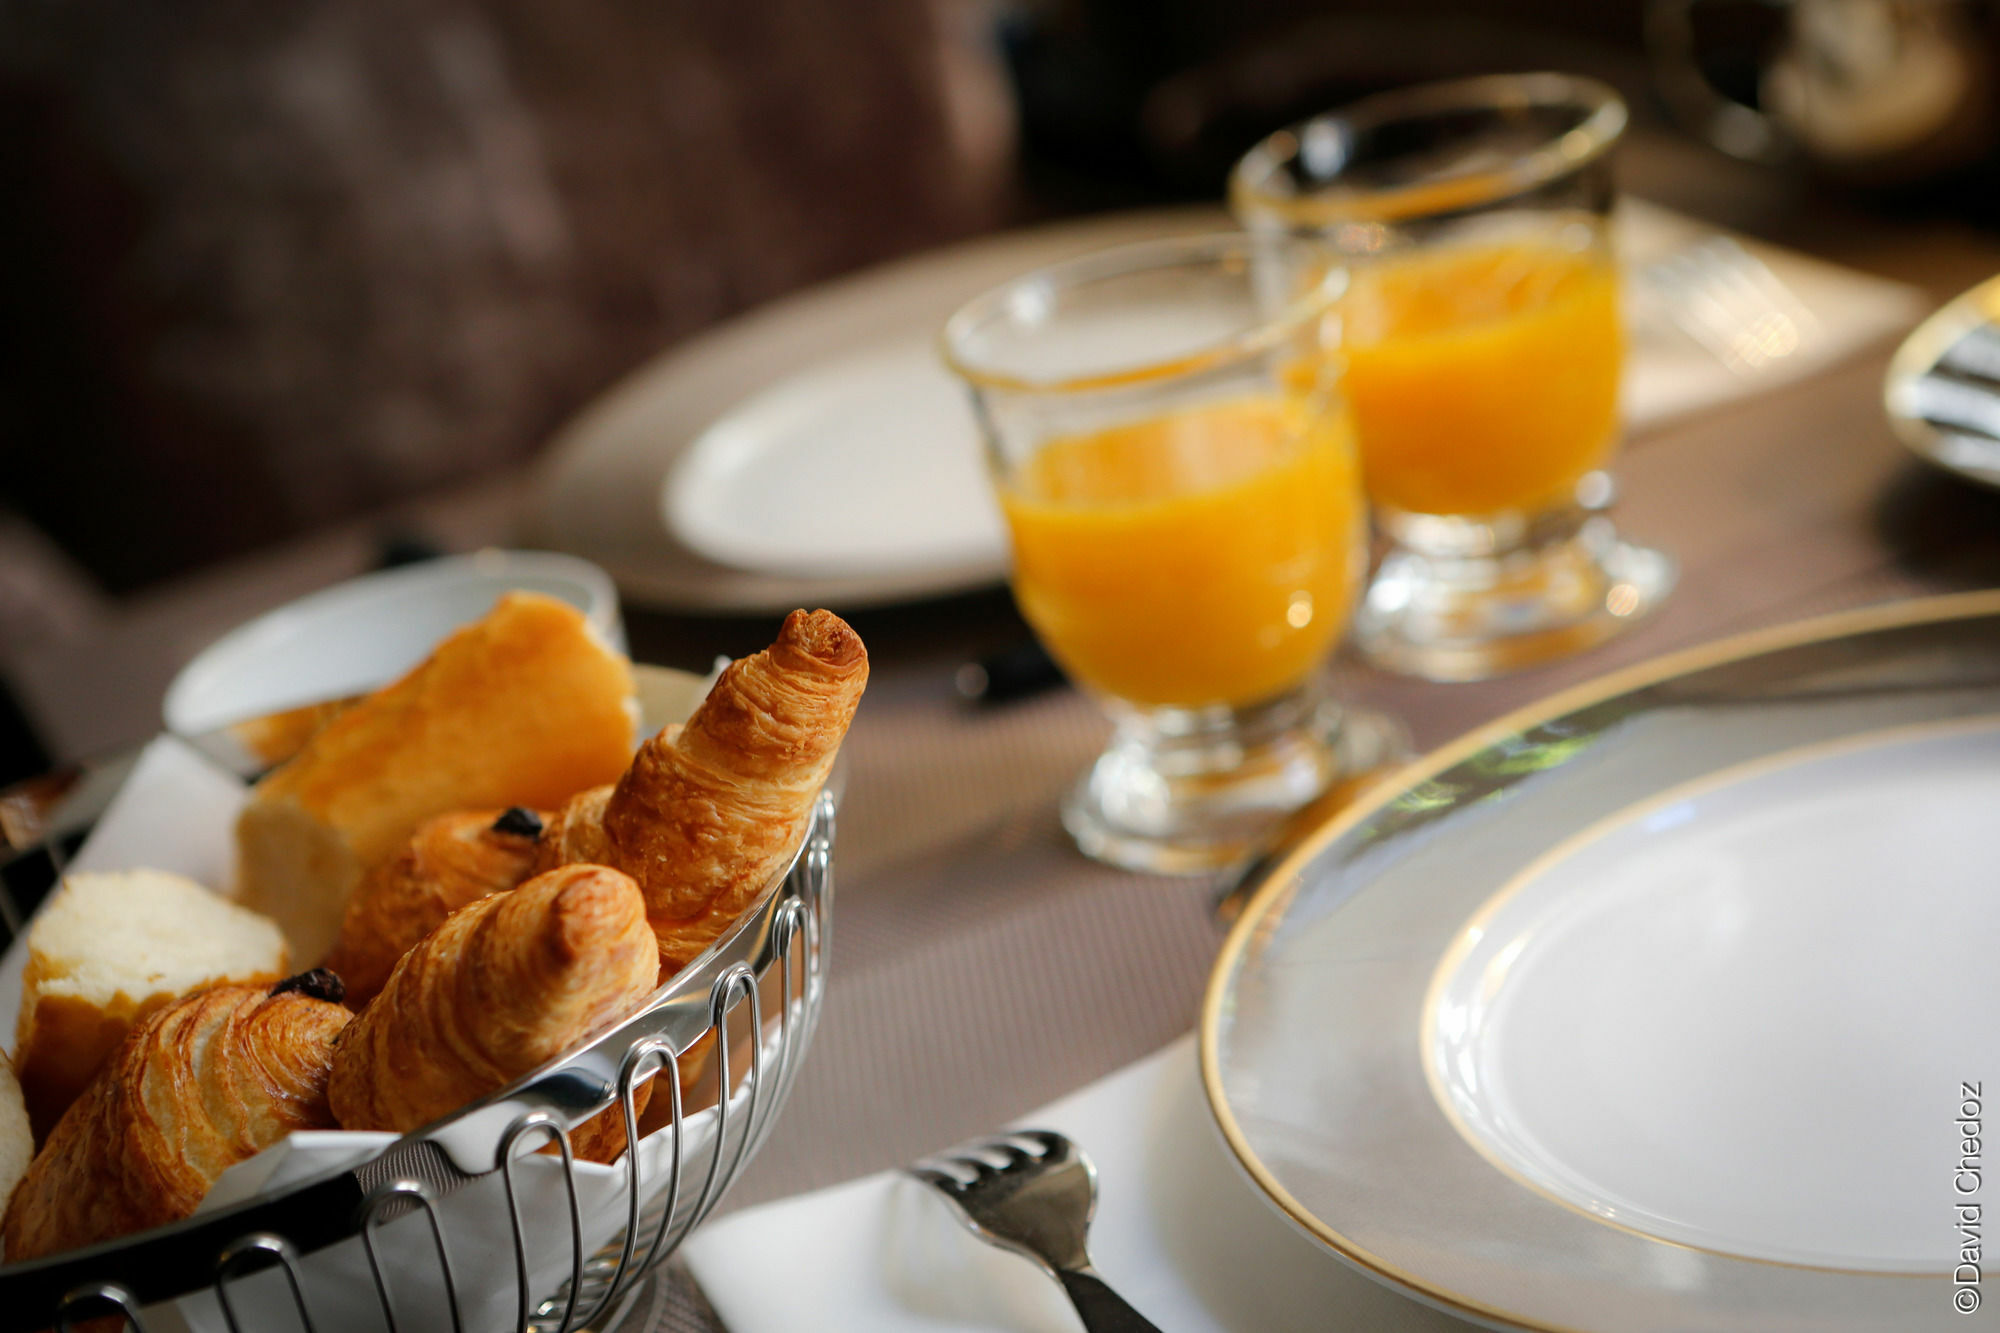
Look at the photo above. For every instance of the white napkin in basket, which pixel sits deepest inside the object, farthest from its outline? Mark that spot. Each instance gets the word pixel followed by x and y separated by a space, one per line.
pixel 1180 1233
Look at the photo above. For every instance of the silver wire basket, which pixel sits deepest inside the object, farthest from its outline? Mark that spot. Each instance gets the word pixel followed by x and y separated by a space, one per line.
pixel 484 1221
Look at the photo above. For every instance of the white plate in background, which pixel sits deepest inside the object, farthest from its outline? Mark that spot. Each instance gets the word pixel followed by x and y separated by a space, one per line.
pixel 867 465
pixel 614 475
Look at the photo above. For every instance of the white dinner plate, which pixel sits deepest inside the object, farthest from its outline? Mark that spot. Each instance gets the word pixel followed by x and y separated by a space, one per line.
pixel 862 467
pixel 721 476
pixel 1670 1003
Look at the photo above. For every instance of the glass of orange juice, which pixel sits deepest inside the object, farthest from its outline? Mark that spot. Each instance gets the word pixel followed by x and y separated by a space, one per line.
pixel 1482 342
pixel 1179 480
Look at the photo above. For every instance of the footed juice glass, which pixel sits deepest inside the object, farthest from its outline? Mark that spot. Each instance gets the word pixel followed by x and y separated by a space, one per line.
pixel 1483 348
pixel 1179 479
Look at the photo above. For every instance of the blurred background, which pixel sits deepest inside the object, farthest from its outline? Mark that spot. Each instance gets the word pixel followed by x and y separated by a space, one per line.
pixel 267 267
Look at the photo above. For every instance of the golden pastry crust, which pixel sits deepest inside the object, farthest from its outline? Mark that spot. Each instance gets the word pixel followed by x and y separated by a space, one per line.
pixel 575 833
pixel 709 812
pixel 207 1082
pixel 695 1096
pixel 17 1143
pixel 453 860
pixel 504 985
pixel 524 707
pixel 602 1137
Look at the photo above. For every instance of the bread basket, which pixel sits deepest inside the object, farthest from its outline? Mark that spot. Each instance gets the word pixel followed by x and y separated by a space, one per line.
pixel 483 1221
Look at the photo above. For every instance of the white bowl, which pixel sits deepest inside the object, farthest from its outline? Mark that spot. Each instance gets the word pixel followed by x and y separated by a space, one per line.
pixel 366 632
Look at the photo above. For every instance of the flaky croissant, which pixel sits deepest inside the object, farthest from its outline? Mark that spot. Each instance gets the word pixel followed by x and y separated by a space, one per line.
pixel 504 985
pixel 575 833
pixel 198 1086
pixel 708 812
pixel 454 859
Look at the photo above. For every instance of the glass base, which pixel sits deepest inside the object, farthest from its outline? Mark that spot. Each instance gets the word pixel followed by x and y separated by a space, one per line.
pixel 1461 599
pixel 1188 791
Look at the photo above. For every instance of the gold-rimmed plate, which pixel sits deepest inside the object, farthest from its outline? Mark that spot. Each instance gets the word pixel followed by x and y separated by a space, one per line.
pixel 1668 1003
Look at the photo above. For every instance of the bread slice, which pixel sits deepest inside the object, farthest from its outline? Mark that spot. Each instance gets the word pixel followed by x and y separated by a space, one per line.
pixel 108 949
pixel 524 707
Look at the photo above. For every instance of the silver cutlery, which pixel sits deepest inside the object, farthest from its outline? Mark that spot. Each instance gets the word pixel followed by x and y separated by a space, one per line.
pixel 1730 302
pixel 1021 669
pixel 1034 1192
pixel 1942 391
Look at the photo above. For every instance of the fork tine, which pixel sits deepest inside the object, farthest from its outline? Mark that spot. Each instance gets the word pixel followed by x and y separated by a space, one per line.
pixel 938 1171
pixel 1008 1148
pixel 980 1162
pixel 1029 1142
pixel 961 1167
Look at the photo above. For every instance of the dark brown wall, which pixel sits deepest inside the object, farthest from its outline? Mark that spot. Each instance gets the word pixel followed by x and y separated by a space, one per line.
pixel 265 264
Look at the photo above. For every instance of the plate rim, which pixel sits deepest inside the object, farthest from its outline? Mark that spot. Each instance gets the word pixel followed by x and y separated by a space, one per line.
pixel 1254 918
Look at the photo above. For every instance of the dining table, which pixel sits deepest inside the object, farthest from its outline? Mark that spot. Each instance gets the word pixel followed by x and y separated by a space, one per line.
pixel 981 965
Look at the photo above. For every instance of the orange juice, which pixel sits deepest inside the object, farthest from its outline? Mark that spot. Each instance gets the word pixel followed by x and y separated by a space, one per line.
pixel 1483 377
pixel 1205 556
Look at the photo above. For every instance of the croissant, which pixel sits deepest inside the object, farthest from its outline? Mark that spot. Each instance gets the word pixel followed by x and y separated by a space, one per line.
pixel 453 860
pixel 708 812
pixel 576 831
pixel 198 1086
pixel 505 984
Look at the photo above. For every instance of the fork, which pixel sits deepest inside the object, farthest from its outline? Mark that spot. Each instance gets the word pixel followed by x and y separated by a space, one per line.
pixel 1034 1193
pixel 1730 302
